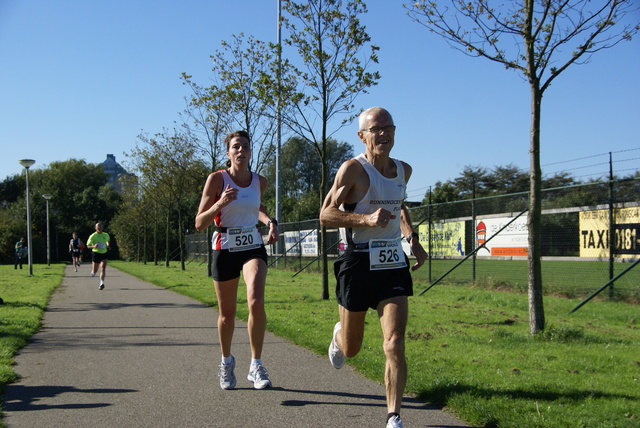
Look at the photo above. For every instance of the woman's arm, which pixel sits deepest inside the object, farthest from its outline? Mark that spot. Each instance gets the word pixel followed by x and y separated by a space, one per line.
pixel 213 200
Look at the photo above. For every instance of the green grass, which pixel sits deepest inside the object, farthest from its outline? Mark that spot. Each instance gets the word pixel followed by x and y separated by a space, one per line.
pixel 574 279
pixel 469 349
pixel 25 299
pixel 561 278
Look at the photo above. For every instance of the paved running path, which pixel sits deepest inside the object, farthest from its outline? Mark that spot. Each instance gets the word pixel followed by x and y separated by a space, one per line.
pixel 137 355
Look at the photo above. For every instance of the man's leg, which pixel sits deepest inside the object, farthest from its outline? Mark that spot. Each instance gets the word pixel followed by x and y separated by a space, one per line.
pixel 393 315
pixel 349 338
pixel 103 269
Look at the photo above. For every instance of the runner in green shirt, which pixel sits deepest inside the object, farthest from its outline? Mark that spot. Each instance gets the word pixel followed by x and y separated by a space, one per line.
pixel 98 242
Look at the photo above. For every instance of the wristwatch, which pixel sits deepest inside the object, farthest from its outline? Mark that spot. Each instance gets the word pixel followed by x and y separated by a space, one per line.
pixel 274 221
pixel 410 237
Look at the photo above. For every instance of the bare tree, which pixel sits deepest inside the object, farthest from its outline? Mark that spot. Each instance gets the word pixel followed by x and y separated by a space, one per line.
pixel 540 39
pixel 329 38
pixel 170 174
pixel 208 120
pixel 241 98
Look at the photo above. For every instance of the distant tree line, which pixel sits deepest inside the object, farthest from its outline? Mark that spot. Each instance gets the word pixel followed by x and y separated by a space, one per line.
pixel 80 198
pixel 480 182
pixel 149 218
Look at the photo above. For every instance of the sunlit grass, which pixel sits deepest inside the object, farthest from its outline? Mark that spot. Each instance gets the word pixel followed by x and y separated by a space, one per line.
pixel 25 299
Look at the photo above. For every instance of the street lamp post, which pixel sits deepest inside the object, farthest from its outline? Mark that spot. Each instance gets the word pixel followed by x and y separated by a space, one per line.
pixel 48 196
pixel 27 163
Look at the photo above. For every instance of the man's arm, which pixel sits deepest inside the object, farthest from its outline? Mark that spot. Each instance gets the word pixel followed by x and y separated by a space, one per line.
pixel 414 242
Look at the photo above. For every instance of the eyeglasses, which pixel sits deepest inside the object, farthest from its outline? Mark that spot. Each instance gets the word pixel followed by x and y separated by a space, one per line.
pixel 378 129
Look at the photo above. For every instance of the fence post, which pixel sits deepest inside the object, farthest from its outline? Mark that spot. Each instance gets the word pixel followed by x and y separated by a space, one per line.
pixel 430 231
pixel 612 240
pixel 473 227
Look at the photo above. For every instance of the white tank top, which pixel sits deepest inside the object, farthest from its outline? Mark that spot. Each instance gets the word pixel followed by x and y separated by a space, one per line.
pixel 243 212
pixel 383 192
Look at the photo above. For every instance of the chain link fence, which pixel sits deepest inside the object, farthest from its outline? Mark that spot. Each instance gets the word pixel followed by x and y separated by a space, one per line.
pixel 587 240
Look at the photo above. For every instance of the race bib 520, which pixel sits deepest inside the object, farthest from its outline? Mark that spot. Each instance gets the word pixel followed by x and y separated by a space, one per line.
pixel 242 239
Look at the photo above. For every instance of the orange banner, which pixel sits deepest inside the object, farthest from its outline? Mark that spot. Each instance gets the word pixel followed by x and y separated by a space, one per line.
pixel 509 251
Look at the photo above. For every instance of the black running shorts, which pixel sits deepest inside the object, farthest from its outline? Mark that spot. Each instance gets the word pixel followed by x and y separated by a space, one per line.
pixel 358 288
pixel 228 265
pixel 98 257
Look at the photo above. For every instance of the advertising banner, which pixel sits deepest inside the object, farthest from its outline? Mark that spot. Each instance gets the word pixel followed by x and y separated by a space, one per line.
pixel 448 238
pixel 512 241
pixel 291 243
pixel 594 233
pixel 309 242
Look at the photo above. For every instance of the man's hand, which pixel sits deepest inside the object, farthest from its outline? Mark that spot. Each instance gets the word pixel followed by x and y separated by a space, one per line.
pixel 380 218
pixel 419 253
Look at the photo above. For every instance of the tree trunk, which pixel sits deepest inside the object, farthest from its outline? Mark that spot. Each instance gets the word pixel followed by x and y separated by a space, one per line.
pixel 534 219
pixel 167 251
pixel 144 244
pixel 323 229
pixel 536 308
pixel 181 240
pixel 155 235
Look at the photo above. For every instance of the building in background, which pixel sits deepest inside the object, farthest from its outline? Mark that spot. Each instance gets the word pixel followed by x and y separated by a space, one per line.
pixel 117 176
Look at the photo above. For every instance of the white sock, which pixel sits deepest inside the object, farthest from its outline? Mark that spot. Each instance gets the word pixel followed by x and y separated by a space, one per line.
pixel 101 282
pixel 227 360
pixel 256 362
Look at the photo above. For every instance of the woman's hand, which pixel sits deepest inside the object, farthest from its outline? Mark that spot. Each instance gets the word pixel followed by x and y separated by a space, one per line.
pixel 229 195
pixel 274 236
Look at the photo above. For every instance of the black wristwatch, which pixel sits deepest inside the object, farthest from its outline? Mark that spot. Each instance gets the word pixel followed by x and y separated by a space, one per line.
pixel 410 237
pixel 274 221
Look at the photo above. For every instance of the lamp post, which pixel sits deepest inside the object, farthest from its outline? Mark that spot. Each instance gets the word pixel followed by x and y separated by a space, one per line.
pixel 48 196
pixel 27 163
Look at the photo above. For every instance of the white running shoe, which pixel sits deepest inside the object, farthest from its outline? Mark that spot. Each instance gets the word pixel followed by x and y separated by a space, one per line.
pixel 394 422
pixel 259 376
pixel 93 274
pixel 336 356
pixel 101 286
pixel 227 376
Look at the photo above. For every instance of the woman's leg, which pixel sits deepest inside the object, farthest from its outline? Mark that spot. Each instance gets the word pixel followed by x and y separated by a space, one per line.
pixel 255 275
pixel 227 293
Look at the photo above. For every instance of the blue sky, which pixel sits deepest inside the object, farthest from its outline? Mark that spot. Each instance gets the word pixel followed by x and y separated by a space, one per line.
pixel 83 78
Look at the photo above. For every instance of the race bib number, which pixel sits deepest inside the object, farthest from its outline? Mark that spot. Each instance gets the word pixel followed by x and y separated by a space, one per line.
pixel 101 245
pixel 240 239
pixel 386 254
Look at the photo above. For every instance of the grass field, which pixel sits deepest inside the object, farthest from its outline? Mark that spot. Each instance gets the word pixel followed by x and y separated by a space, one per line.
pixel 561 278
pixel 468 348
pixel 25 299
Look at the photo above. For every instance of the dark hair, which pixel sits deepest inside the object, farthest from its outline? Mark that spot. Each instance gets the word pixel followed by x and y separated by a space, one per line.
pixel 233 135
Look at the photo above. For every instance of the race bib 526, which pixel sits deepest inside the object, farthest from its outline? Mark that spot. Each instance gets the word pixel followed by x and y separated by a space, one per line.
pixel 386 254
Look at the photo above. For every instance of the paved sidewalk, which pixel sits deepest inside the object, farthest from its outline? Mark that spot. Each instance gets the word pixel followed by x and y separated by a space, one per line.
pixel 136 355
